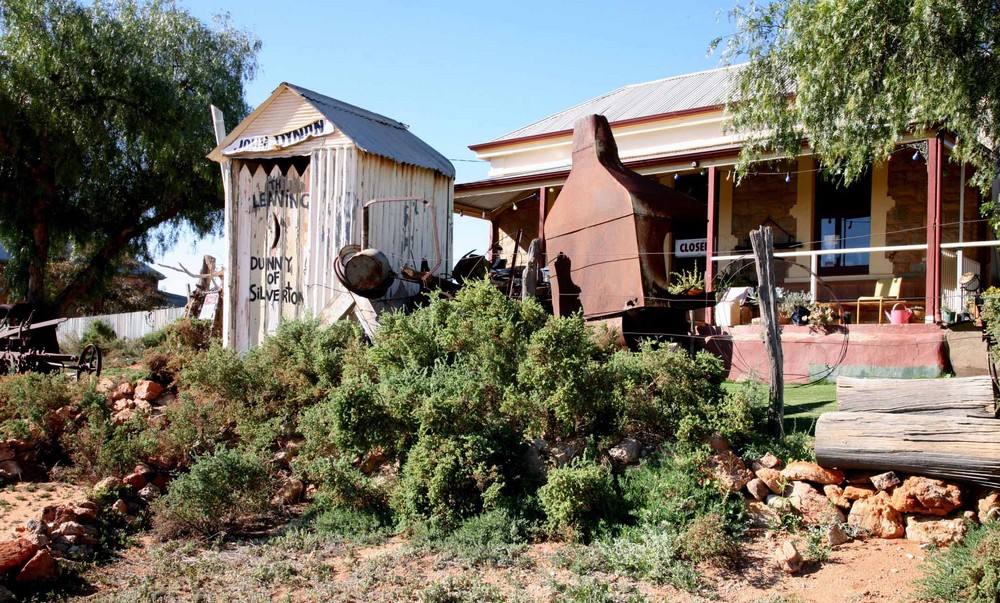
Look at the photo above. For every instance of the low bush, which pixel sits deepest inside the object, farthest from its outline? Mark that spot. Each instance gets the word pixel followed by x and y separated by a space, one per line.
pixel 221 492
pixel 967 571
pixel 99 448
pixel 579 499
pixel 496 538
pixel 26 398
pixel 99 333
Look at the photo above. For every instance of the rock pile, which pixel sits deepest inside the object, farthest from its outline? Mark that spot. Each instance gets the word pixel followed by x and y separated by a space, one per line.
pixel 925 510
pixel 70 531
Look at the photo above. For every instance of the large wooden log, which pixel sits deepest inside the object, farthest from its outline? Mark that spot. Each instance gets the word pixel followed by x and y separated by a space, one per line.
pixel 945 447
pixel 964 397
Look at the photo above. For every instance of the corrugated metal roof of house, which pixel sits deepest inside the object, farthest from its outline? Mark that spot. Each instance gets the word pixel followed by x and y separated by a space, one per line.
pixel 377 134
pixel 669 95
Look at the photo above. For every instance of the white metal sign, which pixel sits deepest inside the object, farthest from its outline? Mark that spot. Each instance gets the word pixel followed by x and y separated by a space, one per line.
pixel 690 248
pixel 271 142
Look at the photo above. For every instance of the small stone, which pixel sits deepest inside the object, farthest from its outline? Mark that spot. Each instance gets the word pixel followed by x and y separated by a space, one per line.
pixel 144 469
pixel 124 390
pixel 10 470
pixel 626 452
pixel 108 484
pixel 149 492
pixel 770 461
pixel 884 481
pixel 814 507
pixel 779 503
pixel 143 408
pixel 123 404
pixel 283 458
pixel 761 515
pixel 811 472
pixel 119 507
pixel 989 506
pixel 123 416
pixel 147 390
pixel 373 460
pixel 836 495
pixel 718 443
pixel 165 399
pixel 136 480
pixel 563 453
pixel 876 516
pixel 858 492
pixel 40 568
pixel 941 532
pixel 290 492
pixel 729 470
pixel 105 386
pixel 14 553
pixel 160 481
pixel 88 504
pixel 85 515
pixel 835 535
pixel 788 558
pixel 926 496
pixel 758 489
pixel 774 480
pixel 72 528
pixel 6 452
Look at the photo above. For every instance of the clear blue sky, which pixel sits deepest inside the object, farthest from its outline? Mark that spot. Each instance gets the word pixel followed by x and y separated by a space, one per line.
pixel 460 73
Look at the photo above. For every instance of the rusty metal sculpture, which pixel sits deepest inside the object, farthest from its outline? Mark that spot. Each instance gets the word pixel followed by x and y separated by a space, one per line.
pixel 605 238
pixel 29 346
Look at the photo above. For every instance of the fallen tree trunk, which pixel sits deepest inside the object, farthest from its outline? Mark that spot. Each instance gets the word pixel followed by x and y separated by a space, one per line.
pixel 963 397
pixel 944 447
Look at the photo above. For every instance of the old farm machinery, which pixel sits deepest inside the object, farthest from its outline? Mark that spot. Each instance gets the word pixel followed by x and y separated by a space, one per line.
pixel 29 346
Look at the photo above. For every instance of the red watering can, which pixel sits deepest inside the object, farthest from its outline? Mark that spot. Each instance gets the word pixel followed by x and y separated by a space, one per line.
pixel 899 315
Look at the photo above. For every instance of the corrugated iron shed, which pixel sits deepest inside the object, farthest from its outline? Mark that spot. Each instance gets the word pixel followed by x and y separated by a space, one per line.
pixel 377 134
pixel 669 95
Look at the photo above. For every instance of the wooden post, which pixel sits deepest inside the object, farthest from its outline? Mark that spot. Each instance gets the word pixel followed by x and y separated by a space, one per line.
pixel 229 286
pixel 762 241
pixel 932 293
pixel 529 278
pixel 710 241
pixel 543 210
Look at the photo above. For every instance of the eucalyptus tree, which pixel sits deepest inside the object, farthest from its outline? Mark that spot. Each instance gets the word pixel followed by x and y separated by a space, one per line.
pixel 851 77
pixel 104 128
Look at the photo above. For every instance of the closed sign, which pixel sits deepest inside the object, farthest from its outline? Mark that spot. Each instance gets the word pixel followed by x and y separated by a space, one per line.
pixel 690 248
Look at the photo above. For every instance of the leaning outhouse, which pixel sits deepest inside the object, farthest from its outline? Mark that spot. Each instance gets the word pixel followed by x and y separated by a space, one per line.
pixel 321 194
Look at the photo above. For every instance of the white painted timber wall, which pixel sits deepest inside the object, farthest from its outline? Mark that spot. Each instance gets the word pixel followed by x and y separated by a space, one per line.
pixel 130 325
pixel 293 272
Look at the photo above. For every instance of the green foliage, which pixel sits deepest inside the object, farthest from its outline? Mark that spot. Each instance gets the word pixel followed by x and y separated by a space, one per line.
pixel 218 494
pixel 99 448
pixel 967 571
pixel 496 538
pixel 852 78
pixel 461 589
pixel 579 499
pixel 648 553
pixel 24 401
pixel 990 313
pixel 103 130
pixel 686 280
pixel 99 333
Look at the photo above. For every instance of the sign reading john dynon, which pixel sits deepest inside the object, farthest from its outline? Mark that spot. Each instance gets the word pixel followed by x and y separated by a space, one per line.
pixel 690 248
pixel 270 142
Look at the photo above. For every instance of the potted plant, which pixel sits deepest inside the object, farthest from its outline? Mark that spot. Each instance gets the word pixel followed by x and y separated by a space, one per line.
pixel 797 306
pixel 947 315
pixel 686 282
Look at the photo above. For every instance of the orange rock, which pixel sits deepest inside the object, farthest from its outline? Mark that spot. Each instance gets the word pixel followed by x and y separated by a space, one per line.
pixel 858 492
pixel 41 567
pixel 136 480
pixel 989 507
pixel 802 471
pixel 788 558
pixel 13 553
pixel 814 507
pixel 942 532
pixel 147 390
pixel 876 516
pixel 926 496
pixel 774 480
pixel 124 390
pixel 836 495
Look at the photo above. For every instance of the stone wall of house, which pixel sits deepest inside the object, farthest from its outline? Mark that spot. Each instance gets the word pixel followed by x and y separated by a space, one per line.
pixel 759 197
pixel 906 221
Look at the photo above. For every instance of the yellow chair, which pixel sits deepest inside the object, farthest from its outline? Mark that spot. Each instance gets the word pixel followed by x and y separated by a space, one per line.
pixel 884 289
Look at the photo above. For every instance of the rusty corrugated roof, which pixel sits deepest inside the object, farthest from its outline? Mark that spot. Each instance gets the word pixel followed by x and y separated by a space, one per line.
pixel 670 95
pixel 377 134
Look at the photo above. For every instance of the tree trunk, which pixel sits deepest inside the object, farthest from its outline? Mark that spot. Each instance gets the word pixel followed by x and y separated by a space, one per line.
pixel 763 250
pixel 961 397
pixel 39 260
pixel 944 447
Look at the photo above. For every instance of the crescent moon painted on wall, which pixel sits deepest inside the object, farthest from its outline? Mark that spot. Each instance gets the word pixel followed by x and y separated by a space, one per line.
pixel 277 230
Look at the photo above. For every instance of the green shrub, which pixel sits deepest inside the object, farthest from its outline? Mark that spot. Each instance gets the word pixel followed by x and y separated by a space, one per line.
pixel 579 499
pixel 967 571
pixel 26 398
pixel 496 538
pixel 99 333
pixel 343 485
pixel 99 448
pixel 218 494
pixel 648 553
pixel 670 491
